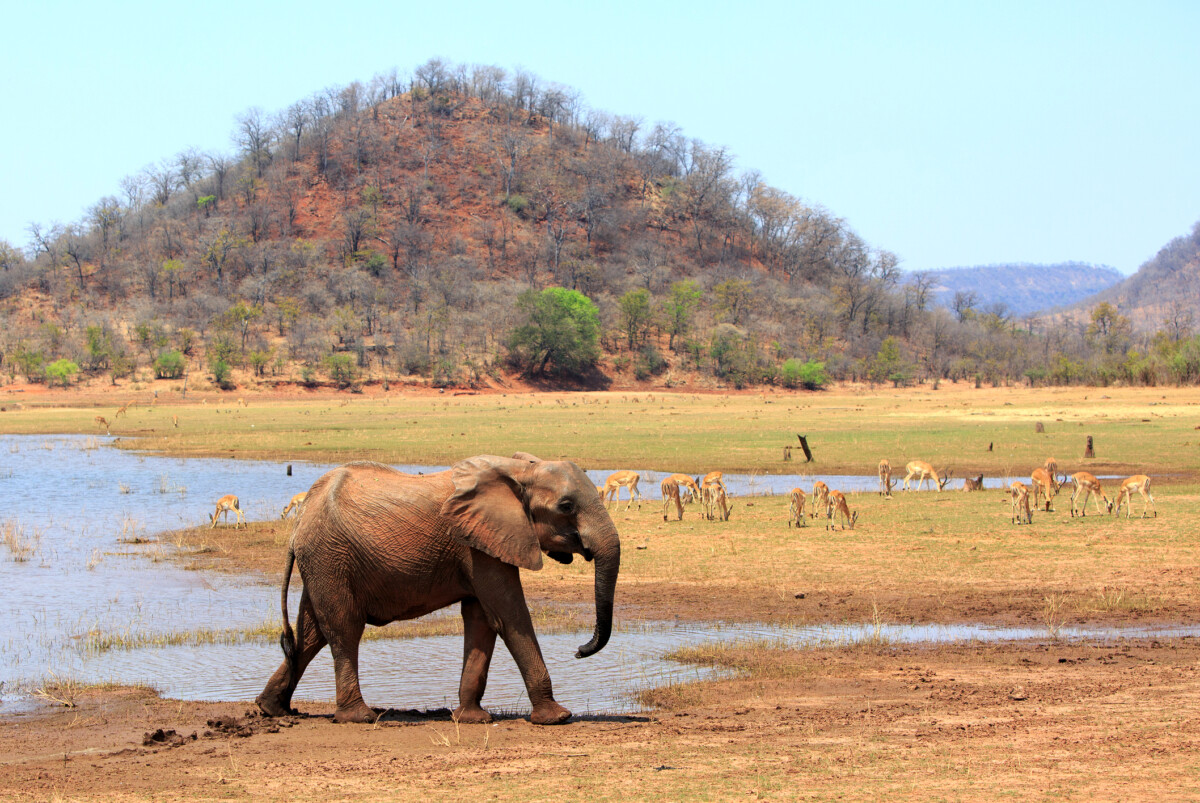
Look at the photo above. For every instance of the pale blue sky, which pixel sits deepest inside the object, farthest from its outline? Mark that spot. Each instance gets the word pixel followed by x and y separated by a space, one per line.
pixel 952 133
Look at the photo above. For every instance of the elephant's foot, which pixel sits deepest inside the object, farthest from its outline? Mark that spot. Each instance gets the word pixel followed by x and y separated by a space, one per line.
pixel 271 706
pixel 472 715
pixel 549 713
pixel 360 712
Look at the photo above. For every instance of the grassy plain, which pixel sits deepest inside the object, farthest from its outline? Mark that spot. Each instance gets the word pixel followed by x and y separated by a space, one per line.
pixel 850 429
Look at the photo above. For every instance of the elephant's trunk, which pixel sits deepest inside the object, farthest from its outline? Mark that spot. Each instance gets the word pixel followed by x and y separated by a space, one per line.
pixel 607 553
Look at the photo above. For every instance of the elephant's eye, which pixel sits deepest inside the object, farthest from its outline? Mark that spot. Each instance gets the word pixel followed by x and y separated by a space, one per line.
pixel 567 506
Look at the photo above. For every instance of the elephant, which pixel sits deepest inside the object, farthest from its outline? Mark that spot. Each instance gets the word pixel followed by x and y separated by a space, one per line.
pixel 374 545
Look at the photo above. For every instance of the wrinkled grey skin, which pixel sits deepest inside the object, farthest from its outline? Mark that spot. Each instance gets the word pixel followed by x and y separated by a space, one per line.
pixel 374 545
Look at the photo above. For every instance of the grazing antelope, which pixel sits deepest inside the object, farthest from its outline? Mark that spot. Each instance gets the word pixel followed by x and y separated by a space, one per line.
pixel 1088 485
pixel 837 506
pixel 1043 485
pixel 1141 484
pixel 101 421
pixel 225 504
pixel 689 491
pixel 924 472
pixel 714 501
pixel 796 507
pixel 1051 466
pixel 175 421
pixel 622 479
pixel 670 493
pixel 714 478
pixel 295 504
pixel 820 497
pixel 885 478
pixel 973 483
pixel 1020 503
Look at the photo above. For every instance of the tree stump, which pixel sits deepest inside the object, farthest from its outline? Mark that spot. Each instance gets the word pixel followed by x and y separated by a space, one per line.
pixel 808 458
pixel 1089 452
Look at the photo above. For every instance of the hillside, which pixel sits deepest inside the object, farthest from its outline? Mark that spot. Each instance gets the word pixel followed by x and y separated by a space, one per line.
pixel 1164 294
pixel 1022 288
pixel 407 229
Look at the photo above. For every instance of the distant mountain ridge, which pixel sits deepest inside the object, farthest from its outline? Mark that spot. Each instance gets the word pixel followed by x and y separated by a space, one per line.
pixel 1023 288
pixel 1165 291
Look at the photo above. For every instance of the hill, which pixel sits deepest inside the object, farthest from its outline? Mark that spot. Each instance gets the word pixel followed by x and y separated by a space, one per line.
pixel 413 229
pixel 1022 288
pixel 1164 294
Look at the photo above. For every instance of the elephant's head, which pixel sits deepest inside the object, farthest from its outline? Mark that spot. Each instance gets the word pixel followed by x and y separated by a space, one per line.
pixel 514 509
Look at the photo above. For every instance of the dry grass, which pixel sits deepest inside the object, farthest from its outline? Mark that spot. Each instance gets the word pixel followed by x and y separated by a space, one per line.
pixel 22 545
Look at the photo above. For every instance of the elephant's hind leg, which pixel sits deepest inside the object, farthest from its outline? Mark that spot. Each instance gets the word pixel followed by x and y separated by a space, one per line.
pixel 479 640
pixel 276 699
pixel 344 636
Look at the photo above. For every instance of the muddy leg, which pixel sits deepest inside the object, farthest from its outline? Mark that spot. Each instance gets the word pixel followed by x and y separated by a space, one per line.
pixel 276 699
pixel 344 634
pixel 479 640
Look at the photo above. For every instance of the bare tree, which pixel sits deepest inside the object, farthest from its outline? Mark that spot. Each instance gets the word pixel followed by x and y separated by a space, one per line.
pixel 253 136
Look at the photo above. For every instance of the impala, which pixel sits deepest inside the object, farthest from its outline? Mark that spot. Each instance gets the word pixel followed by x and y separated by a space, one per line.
pixel 688 489
pixel 923 472
pixel 837 506
pixel 1043 485
pixel 1020 503
pixel 973 483
pixel 295 504
pixel 225 504
pixel 796 507
pixel 1051 466
pixel 670 493
pixel 820 497
pixel 622 479
pixel 101 421
pixel 885 478
pixel 715 502
pixel 1088 485
pixel 1141 484
pixel 714 478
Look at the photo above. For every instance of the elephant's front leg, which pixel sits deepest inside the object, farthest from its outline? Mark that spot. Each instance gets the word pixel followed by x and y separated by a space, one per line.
pixel 479 640
pixel 498 587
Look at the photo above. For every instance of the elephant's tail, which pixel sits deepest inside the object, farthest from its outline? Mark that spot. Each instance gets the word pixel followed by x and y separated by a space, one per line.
pixel 287 639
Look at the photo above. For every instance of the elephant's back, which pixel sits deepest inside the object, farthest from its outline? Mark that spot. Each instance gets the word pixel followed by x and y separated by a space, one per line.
pixel 371 505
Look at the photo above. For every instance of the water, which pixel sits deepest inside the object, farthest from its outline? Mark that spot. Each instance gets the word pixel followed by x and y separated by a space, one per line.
pixel 79 503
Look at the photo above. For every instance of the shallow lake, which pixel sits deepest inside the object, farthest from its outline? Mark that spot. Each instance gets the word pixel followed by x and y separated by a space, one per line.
pixel 78 506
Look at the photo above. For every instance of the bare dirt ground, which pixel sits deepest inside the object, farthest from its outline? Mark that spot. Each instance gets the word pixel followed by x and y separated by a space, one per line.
pixel 1114 721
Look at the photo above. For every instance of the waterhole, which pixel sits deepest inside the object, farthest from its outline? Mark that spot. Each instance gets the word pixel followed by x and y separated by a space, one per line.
pixel 80 557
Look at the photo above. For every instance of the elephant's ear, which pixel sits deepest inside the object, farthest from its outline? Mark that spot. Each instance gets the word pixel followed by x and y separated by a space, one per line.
pixel 527 457
pixel 487 509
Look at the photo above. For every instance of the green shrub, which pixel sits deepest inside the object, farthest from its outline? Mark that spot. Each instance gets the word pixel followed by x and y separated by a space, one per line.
pixel 341 369
pixel 809 375
pixel 61 372
pixel 222 375
pixel 169 365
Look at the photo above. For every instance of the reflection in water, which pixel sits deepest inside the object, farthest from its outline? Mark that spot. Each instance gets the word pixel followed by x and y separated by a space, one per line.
pixel 423 672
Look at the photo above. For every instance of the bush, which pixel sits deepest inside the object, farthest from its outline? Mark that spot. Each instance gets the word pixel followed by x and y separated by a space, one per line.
pixel 649 363
pixel 341 369
pixel 222 375
pixel 561 333
pixel 809 375
pixel 169 365
pixel 61 372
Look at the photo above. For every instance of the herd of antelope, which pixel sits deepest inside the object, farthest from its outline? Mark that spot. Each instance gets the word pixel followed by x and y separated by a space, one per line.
pixel 677 490
pixel 1046 482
